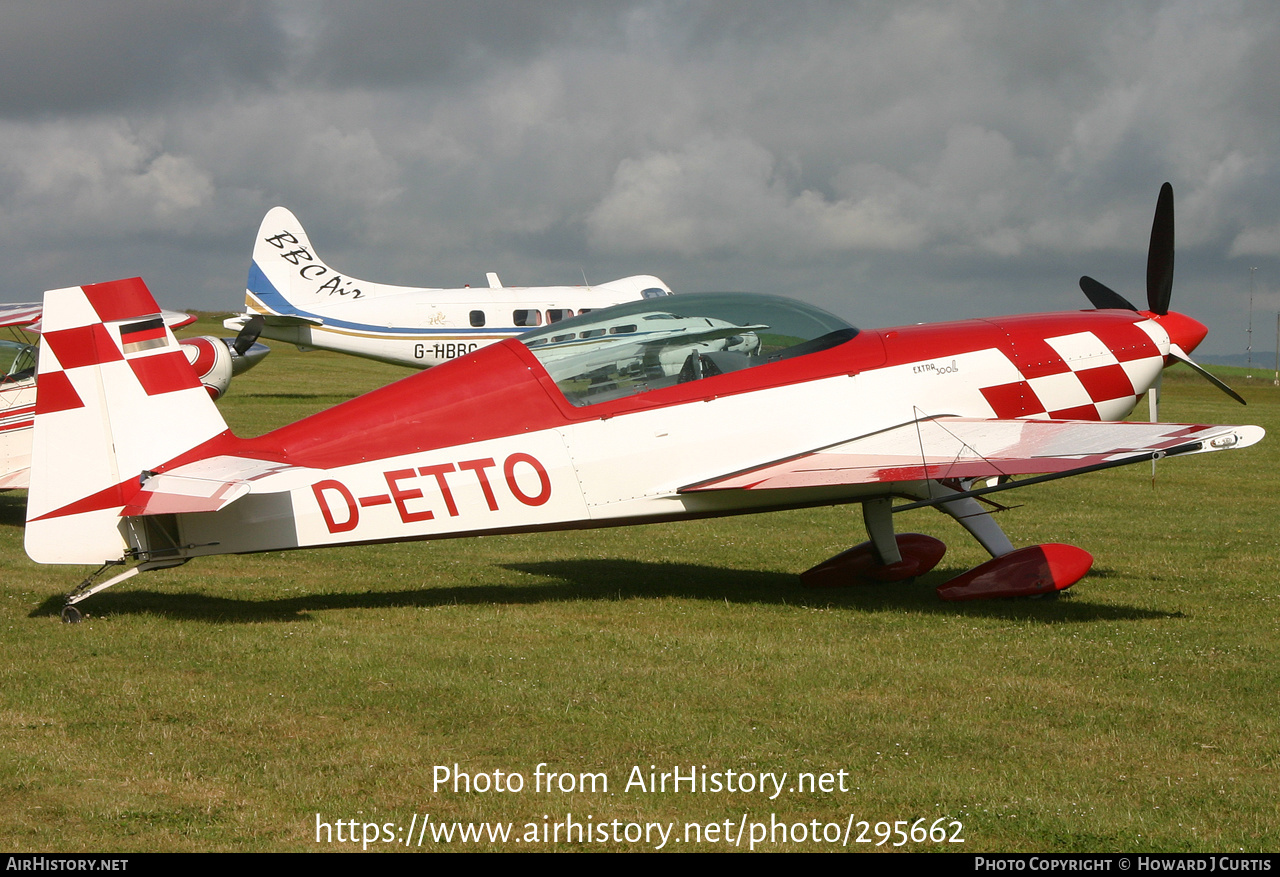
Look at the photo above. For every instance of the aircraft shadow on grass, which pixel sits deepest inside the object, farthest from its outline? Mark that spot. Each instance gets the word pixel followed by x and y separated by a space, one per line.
pixel 614 580
pixel 13 509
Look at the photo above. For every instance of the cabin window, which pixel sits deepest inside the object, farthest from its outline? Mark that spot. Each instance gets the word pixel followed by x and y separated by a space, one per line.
pixel 555 315
pixel 529 317
pixel 477 319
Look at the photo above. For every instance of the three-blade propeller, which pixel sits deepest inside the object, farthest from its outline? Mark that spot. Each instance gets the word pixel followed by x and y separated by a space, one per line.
pixel 1159 292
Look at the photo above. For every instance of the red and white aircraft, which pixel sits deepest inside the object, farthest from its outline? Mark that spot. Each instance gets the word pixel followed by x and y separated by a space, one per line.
pixel 682 407
pixel 215 360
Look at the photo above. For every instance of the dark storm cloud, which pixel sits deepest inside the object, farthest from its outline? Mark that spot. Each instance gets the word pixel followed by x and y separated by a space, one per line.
pixel 412 42
pixel 888 160
pixel 62 57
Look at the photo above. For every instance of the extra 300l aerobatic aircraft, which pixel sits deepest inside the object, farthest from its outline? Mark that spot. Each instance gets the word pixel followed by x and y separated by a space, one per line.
pixel 294 297
pixel 659 410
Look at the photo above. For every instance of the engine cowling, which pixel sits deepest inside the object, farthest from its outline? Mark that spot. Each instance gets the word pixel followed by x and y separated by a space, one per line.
pixel 211 358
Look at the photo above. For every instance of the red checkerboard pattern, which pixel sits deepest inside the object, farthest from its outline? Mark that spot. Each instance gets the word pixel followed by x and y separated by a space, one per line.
pixel 158 370
pixel 1073 377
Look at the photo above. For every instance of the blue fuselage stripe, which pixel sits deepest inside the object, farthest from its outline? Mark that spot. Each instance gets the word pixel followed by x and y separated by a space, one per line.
pixel 266 292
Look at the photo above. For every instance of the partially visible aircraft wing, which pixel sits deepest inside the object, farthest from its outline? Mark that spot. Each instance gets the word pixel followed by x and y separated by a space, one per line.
pixel 177 319
pixel 22 314
pixel 715 333
pixel 16 479
pixel 966 448
pixel 26 315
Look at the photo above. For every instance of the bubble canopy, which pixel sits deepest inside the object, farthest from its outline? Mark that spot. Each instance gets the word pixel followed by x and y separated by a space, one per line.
pixel 653 343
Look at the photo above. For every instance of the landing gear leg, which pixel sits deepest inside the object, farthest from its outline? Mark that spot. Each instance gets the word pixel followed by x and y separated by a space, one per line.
pixel 87 588
pixel 877 514
pixel 974 517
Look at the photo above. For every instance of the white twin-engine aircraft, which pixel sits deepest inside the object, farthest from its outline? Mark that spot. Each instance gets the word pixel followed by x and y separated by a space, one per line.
pixel 294 297
pixel 659 410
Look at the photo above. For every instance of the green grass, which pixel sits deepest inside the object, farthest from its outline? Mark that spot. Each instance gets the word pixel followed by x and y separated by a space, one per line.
pixel 222 705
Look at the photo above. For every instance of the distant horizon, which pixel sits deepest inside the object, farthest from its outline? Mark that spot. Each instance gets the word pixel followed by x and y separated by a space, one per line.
pixel 1265 359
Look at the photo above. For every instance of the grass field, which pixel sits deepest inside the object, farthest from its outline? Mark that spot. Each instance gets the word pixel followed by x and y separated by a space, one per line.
pixel 223 705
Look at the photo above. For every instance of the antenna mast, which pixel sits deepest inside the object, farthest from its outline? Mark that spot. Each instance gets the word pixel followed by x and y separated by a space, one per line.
pixel 1249 346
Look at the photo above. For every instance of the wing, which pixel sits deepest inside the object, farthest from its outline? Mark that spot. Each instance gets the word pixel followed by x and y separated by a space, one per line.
pixel 26 315
pixel 23 314
pixel 964 448
pixel 177 319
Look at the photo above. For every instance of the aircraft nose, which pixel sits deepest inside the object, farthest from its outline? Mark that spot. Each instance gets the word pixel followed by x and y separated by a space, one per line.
pixel 1184 331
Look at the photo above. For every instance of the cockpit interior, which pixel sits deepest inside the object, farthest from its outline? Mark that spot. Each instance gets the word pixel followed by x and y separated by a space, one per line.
pixel 653 343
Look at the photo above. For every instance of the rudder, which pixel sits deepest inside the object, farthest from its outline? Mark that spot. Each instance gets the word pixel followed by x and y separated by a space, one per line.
pixel 116 398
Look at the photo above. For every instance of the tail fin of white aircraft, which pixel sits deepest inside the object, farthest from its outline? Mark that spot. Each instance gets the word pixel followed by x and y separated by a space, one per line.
pixel 288 281
pixel 116 399
pixel 283 259
pixel 290 288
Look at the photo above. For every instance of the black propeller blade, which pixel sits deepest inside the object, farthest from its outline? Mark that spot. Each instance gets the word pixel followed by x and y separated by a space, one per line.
pixel 1181 355
pixel 1159 289
pixel 1104 297
pixel 248 335
pixel 1160 254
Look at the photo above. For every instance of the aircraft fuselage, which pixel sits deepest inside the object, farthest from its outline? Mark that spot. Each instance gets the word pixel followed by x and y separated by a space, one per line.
pixel 490 443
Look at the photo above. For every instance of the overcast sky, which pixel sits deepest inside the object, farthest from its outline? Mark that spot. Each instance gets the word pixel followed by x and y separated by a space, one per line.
pixel 893 162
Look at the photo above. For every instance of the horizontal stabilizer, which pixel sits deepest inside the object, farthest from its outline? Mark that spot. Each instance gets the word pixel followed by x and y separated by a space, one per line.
pixel 268 319
pixel 171 495
pixel 212 484
pixel 954 447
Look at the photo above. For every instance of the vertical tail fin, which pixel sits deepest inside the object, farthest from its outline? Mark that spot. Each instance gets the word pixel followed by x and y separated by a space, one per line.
pixel 115 399
pixel 282 257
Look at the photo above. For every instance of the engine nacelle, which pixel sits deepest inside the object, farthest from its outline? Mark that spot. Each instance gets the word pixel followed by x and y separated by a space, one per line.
pixel 211 358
